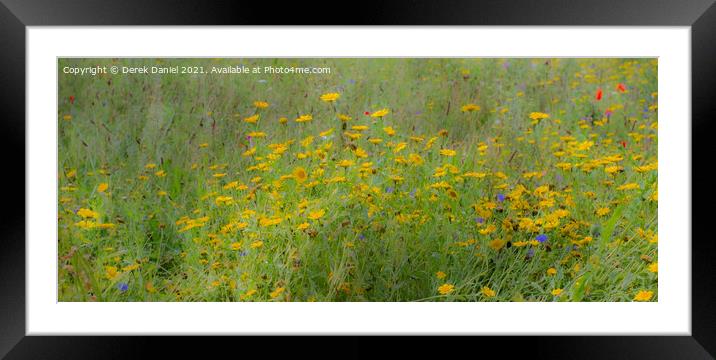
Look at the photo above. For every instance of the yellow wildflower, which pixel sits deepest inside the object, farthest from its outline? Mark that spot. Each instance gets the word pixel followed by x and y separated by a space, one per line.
pixel 380 113
pixel 643 295
pixel 304 118
pixel 315 215
pixel 252 119
pixel 487 291
pixel 111 272
pixel 448 152
pixel 330 97
pixel 470 108
pixel 603 211
pixel 445 289
pixel 102 187
pixel 276 293
pixel 261 104
pixel 629 186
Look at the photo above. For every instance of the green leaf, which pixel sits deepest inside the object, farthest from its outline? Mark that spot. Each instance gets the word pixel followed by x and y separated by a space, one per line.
pixel 610 225
pixel 580 286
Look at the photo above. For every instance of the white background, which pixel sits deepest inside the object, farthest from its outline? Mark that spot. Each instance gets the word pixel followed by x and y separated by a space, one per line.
pixel 670 315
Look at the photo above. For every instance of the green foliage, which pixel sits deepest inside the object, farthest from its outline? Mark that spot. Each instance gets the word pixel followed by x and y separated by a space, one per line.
pixel 193 188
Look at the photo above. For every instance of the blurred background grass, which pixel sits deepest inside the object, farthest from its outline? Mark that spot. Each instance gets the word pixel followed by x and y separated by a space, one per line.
pixel 119 123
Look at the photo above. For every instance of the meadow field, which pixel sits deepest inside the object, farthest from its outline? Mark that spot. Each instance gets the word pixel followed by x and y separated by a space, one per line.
pixel 361 180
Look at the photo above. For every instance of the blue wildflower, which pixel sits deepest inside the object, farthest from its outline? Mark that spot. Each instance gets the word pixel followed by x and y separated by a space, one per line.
pixel 122 287
pixel 500 197
pixel 542 238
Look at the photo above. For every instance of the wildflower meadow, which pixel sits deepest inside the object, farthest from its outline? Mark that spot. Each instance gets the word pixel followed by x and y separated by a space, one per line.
pixel 370 179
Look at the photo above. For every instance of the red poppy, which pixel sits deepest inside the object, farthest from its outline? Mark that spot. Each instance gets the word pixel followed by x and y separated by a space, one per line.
pixel 72 99
pixel 599 94
pixel 367 112
pixel 621 87
pixel 624 144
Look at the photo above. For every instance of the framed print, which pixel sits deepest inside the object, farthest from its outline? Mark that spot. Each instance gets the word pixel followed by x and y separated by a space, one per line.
pixel 439 178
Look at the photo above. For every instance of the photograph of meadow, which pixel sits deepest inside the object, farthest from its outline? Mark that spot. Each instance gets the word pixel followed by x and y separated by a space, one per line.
pixel 357 179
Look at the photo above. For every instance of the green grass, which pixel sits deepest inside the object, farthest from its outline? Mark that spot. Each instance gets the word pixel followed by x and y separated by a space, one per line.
pixel 389 227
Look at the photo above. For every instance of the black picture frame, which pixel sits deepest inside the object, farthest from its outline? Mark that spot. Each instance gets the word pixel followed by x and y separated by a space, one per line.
pixel 16 15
